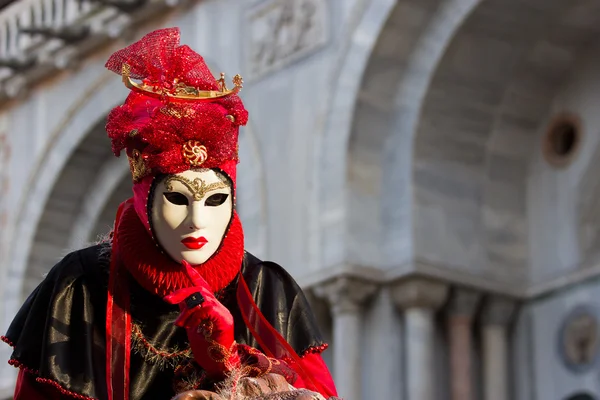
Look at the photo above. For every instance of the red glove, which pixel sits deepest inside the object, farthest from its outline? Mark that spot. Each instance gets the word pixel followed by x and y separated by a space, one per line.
pixel 209 326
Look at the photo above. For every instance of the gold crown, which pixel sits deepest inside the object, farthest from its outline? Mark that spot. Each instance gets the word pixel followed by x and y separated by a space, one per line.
pixel 180 90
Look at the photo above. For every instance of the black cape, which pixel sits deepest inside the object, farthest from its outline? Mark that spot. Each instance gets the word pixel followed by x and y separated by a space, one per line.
pixel 60 329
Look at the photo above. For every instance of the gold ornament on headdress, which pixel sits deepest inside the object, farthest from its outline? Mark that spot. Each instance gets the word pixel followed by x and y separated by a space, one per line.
pixel 180 90
pixel 194 152
pixel 137 165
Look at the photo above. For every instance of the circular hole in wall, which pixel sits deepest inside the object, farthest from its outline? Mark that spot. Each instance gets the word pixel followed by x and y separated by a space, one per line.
pixel 562 140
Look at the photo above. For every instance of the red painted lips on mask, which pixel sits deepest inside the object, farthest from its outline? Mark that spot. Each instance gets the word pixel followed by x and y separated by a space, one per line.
pixel 194 243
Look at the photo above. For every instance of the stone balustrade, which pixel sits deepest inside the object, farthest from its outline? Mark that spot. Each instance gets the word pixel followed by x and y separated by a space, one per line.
pixel 39 37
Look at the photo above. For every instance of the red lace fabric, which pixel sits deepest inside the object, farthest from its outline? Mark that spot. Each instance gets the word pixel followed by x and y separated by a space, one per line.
pixel 159 59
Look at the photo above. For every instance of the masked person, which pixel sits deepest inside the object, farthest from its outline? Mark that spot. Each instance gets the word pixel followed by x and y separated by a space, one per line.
pixel 172 303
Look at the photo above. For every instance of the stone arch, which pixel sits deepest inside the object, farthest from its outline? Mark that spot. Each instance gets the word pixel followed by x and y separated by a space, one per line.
pixel 328 193
pixel 394 48
pixel 111 186
pixel 478 129
pixel 88 112
pixel 59 223
pixel 380 149
pixel 105 219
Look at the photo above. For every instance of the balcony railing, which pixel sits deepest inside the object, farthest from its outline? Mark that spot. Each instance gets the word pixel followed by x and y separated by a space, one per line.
pixel 37 37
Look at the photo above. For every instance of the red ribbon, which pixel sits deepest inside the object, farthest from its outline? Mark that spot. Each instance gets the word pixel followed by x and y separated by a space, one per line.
pixel 118 324
pixel 270 340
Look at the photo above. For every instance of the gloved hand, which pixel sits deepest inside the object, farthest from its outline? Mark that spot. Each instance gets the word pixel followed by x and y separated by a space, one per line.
pixel 209 326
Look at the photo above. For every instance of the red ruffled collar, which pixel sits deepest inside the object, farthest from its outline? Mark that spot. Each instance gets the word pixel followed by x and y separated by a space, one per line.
pixel 159 274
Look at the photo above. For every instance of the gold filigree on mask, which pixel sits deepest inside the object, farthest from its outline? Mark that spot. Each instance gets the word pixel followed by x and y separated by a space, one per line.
pixel 137 165
pixel 198 187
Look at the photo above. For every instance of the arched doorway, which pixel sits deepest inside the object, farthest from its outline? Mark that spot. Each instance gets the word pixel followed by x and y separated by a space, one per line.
pixel 65 203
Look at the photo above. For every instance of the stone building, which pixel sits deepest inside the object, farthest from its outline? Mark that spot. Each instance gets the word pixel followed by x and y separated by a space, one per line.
pixel 427 169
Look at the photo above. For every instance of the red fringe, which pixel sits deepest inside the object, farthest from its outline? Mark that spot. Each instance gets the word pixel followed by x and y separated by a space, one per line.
pixel 315 350
pixel 56 385
pixel 7 341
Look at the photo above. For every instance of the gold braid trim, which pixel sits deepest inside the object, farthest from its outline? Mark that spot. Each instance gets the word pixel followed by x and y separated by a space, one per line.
pixel 162 358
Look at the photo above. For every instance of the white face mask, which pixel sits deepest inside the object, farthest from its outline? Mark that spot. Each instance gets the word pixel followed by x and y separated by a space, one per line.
pixel 190 214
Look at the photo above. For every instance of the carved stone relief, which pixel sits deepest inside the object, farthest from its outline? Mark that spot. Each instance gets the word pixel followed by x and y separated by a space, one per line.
pixel 280 32
pixel 579 339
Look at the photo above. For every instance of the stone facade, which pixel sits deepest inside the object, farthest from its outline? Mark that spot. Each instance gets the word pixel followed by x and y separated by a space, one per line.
pixel 393 164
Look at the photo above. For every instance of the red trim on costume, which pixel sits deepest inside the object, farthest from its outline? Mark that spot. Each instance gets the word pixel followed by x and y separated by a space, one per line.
pixel 26 388
pixel 46 381
pixel 62 390
pixel 314 350
pixel 21 366
pixel 118 324
pixel 7 341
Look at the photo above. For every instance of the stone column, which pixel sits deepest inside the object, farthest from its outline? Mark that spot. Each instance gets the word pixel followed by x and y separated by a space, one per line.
pixel 419 298
pixel 461 309
pixel 346 297
pixel 496 316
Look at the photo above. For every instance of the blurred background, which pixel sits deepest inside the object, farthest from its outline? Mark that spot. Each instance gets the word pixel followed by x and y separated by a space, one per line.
pixel 428 170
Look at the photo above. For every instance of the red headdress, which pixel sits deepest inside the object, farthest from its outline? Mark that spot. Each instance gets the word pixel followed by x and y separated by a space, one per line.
pixel 180 116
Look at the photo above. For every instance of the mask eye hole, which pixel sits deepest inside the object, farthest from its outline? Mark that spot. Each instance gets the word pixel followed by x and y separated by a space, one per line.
pixel 176 198
pixel 216 199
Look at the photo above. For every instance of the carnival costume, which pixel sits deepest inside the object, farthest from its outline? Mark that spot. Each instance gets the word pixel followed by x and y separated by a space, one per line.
pixel 125 320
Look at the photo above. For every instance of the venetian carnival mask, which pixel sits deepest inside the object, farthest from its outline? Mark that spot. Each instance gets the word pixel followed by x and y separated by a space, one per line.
pixel 190 214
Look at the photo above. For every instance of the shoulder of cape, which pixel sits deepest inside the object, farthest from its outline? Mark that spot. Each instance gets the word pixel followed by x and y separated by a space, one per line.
pixel 91 262
pixel 269 270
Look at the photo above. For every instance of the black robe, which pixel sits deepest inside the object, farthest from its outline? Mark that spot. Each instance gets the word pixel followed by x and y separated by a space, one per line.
pixel 60 329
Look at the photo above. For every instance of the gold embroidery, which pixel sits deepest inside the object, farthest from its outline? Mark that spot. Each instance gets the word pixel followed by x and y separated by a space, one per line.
pixel 137 165
pixel 163 358
pixel 178 113
pixel 198 187
pixel 216 351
